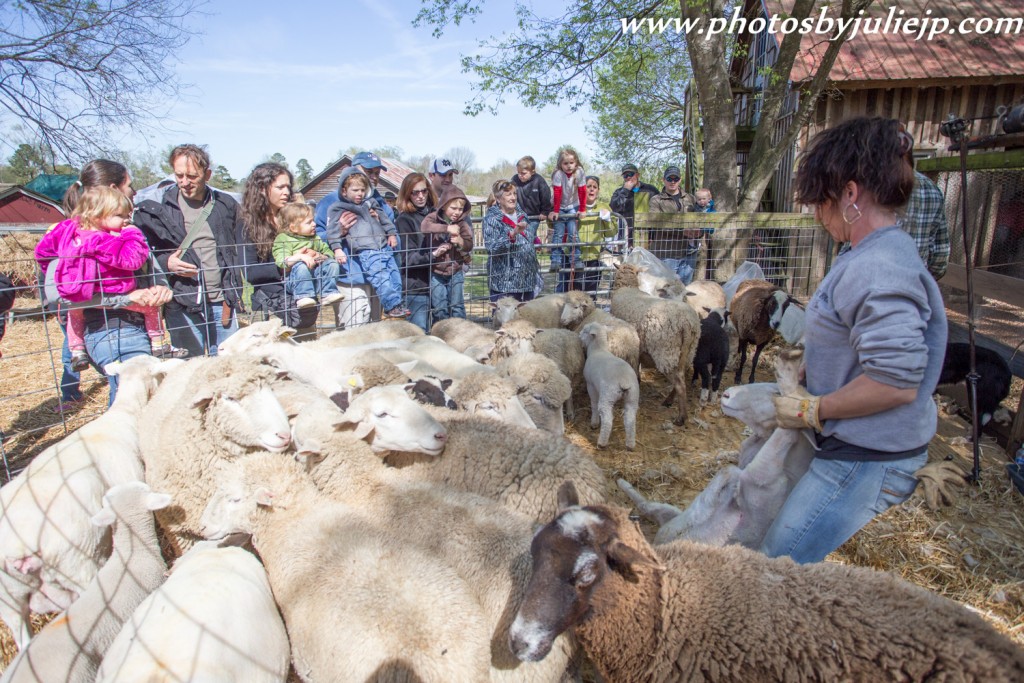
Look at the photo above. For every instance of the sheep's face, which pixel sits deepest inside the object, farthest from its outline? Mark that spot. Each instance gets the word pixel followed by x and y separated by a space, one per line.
pixel 252 420
pixel 391 421
pixel 575 311
pixel 505 309
pixel 229 511
pixel 752 405
pixel 571 555
pixel 543 413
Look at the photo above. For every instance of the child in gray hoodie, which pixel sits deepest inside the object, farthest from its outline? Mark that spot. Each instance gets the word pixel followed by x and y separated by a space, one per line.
pixel 371 240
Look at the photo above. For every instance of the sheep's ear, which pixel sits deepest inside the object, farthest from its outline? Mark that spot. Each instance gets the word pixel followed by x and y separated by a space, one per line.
pixel 494 305
pixel 342 399
pixel 359 427
pixel 264 497
pixel 309 459
pixel 157 501
pixel 282 374
pixel 706 309
pixel 567 496
pixel 105 517
pixel 445 383
pixel 166 367
pixel 202 399
pixel 287 332
pixel 29 564
pixel 520 304
pixel 624 559
pixel 500 333
pixel 406 367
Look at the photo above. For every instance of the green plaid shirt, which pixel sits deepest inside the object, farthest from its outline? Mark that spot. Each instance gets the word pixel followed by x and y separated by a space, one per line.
pixel 924 219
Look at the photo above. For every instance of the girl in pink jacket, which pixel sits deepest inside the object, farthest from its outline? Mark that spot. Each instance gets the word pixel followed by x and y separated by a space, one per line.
pixel 97 251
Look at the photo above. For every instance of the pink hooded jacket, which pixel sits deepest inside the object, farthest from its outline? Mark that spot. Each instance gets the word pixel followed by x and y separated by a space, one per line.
pixel 86 258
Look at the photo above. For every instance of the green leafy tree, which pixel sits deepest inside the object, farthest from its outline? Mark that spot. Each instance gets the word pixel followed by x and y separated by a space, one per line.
pixel 75 72
pixel 25 164
pixel 303 173
pixel 278 158
pixel 582 55
pixel 144 167
pixel 221 178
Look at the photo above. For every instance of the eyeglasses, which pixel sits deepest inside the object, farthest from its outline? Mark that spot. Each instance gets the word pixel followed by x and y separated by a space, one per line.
pixel 628 174
pixel 674 179
pixel 504 186
pixel 423 191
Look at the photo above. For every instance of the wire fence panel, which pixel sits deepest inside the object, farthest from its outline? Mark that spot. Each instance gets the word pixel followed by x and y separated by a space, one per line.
pixel 42 398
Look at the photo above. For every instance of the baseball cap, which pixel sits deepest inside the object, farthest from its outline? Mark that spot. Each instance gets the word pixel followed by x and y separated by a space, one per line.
pixel 442 167
pixel 368 160
pixel 673 172
pixel 630 168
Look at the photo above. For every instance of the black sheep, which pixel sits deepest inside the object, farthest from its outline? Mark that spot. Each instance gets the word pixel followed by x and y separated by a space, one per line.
pixel 712 352
pixel 994 375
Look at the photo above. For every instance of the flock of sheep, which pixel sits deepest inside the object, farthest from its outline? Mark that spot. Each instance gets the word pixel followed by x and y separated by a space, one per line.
pixel 363 507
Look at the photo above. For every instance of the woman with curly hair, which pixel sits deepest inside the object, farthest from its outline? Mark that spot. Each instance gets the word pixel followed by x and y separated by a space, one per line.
pixel 267 190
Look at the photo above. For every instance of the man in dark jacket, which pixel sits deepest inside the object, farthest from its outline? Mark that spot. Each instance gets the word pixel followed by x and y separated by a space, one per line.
pixel 193 232
pixel 634 196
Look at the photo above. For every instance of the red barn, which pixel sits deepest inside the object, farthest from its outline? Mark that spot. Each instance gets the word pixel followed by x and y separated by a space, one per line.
pixel 23 210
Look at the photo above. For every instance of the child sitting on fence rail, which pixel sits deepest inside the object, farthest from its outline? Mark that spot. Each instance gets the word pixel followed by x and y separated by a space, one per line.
pixel 311 272
pixel 371 240
pixel 97 252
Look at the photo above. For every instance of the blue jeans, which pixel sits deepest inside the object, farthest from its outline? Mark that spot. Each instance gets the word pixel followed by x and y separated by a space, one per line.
pixel 446 297
pixel 582 280
pixel 322 280
pixel 69 379
pixel 116 343
pixel 531 229
pixel 419 305
pixel 685 267
pixel 565 231
pixel 834 500
pixel 193 331
pixel 382 272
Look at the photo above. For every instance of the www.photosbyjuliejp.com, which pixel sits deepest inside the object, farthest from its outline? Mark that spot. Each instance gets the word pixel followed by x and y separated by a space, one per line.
pixel 895 21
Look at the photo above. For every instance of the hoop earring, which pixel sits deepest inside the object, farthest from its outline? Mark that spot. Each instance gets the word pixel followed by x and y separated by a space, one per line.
pixel 855 218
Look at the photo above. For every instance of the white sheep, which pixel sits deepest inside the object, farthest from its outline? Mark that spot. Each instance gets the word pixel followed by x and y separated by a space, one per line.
pixel 70 648
pixel 623 339
pixel 49 548
pixel 543 389
pixel 491 395
pixel 384 330
pixel 214 619
pixel 543 311
pixel 609 378
pixel 192 431
pixel 515 336
pixel 671 614
pixel 335 570
pixel 462 334
pixel 255 335
pixel 669 332
pixel 520 468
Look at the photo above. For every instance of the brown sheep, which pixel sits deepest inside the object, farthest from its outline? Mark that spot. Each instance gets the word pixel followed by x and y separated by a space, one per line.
pixel 750 310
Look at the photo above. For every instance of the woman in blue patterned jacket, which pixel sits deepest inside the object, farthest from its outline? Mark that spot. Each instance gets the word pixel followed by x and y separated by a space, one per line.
pixel 512 260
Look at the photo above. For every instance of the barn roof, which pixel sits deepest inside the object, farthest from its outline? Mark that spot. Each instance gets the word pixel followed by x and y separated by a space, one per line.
pixel 896 56
pixel 390 179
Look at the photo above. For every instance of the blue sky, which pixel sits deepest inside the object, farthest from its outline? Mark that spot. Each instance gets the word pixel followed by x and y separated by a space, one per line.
pixel 308 79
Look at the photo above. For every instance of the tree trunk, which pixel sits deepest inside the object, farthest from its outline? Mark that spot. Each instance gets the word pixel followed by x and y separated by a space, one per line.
pixel 714 92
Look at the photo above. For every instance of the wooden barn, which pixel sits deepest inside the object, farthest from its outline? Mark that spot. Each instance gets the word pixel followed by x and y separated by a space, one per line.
pixel 879 73
pixel 23 210
pixel 326 182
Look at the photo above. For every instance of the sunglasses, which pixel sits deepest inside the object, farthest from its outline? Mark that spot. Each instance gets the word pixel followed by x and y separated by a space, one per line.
pixel 423 191
pixel 628 174
pixel 673 179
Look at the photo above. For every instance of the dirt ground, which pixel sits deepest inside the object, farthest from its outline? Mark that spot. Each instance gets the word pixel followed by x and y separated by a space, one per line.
pixel 972 552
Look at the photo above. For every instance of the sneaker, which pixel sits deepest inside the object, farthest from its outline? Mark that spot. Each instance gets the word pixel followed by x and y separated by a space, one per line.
pixel 305 302
pixel 331 298
pixel 79 360
pixel 397 312
pixel 165 351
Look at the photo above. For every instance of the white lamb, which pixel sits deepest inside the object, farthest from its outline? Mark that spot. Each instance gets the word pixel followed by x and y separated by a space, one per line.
pixel 49 547
pixel 609 378
pixel 190 434
pixel 70 648
pixel 335 571
pixel 623 339
pixel 214 619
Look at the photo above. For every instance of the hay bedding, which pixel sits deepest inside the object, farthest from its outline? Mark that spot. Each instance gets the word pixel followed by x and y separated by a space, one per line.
pixel 972 552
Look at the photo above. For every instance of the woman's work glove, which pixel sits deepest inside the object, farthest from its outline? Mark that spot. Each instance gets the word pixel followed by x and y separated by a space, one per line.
pixel 939 479
pixel 798 410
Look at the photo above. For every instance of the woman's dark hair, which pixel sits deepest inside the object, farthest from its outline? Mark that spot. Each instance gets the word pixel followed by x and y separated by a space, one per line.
pixel 869 151
pixel 96 173
pixel 260 222
pixel 404 202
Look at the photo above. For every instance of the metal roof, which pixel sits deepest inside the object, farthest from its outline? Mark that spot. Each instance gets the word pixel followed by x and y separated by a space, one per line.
pixel 897 56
